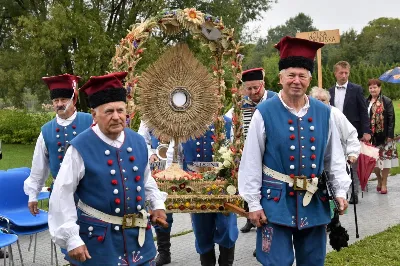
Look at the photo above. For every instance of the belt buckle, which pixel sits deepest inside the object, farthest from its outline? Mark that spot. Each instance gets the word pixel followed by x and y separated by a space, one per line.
pixel 304 179
pixel 128 221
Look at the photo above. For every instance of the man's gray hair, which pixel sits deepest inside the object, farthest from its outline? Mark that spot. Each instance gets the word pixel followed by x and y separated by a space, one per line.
pixel 319 91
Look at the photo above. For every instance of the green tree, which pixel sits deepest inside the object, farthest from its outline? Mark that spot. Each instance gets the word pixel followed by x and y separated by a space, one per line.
pixel 39 38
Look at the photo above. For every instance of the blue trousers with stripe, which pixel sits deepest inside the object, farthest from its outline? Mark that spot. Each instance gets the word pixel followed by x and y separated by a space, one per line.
pixel 275 245
pixel 214 228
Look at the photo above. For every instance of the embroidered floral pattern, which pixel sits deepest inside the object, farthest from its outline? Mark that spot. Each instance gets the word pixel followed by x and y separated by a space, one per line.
pixel 124 261
pixel 267 233
pixel 137 257
pixel 377 116
pixel 303 222
pixel 388 151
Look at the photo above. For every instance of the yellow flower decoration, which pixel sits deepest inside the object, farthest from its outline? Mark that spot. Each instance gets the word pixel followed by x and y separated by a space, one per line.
pixel 194 16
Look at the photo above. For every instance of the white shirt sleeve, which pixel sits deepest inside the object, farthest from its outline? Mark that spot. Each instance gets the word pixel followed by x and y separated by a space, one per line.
pixel 62 210
pixel 145 133
pixel 348 133
pixel 39 172
pixel 153 194
pixel 334 161
pixel 170 153
pixel 250 170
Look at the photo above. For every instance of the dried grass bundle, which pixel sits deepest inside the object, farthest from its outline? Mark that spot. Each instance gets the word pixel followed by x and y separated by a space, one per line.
pixel 178 68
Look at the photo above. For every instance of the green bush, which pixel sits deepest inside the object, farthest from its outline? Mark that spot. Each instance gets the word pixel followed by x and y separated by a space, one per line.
pixel 18 126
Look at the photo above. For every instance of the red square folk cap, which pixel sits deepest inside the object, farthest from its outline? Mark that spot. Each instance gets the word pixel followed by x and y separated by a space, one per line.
pixel 296 52
pixel 62 86
pixel 105 89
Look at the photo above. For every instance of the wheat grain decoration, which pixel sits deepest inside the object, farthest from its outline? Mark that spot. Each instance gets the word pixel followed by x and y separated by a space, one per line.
pixel 177 70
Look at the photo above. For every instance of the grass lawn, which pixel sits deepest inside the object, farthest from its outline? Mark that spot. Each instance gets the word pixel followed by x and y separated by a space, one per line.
pixel 379 249
pixel 16 155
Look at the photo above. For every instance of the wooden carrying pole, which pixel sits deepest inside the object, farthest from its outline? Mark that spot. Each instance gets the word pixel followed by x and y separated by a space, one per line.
pixel 326 37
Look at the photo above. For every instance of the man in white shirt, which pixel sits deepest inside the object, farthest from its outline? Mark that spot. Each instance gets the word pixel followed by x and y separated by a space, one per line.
pixel 163 234
pixel 291 140
pixel 348 133
pixel 107 166
pixel 55 135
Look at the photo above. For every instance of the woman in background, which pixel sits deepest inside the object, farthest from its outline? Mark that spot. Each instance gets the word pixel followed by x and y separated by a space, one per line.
pixel 382 117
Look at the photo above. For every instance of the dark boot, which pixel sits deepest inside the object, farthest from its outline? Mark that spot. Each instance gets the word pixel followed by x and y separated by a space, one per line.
pixel 247 227
pixel 354 199
pixel 255 253
pixel 163 245
pixel 226 256
pixel 208 259
pixel 2 253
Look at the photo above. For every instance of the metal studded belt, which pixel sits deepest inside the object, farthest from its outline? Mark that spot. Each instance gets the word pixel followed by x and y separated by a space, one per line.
pixel 298 183
pixel 127 221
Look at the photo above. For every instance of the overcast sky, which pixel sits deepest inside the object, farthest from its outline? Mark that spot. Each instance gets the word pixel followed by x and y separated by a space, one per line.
pixel 328 14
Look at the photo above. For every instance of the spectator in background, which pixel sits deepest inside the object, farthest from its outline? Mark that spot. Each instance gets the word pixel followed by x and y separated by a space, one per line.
pixel 347 132
pixel 349 99
pixel 382 117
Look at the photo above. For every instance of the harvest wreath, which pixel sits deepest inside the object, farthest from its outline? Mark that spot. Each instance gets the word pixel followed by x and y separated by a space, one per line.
pixel 179 99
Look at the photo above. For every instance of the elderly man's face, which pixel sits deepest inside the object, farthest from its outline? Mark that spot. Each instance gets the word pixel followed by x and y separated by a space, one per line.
pixel 110 118
pixel 322 98
pixel 254 90
pixel 295 81
pixel 60 107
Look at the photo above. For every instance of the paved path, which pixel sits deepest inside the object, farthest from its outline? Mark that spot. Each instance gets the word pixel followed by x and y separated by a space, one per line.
pixel 375 214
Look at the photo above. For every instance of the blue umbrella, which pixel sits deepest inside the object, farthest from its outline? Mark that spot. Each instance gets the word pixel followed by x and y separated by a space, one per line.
pixel 391 76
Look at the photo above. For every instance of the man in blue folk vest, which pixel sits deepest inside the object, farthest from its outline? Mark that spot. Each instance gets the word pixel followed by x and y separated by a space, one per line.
pixel 291 140
pixel 254 89
pixel 55 135
pixel 163 234
pixel 209 228
pixel 107 166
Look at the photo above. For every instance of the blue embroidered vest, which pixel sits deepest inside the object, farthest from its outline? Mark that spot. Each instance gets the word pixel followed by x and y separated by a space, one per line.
pixel 294 146
pixel 200 149
pixel 114 184
pixel 56 137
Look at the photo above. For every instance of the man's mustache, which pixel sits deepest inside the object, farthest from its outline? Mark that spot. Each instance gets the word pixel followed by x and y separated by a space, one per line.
pixel 60 108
